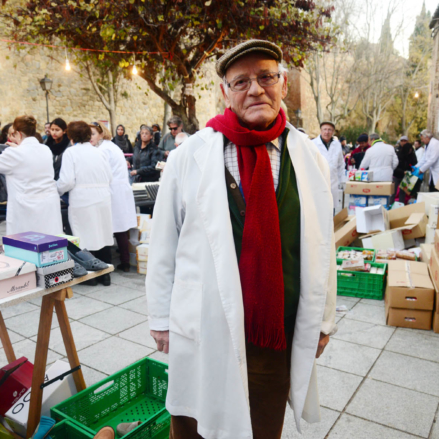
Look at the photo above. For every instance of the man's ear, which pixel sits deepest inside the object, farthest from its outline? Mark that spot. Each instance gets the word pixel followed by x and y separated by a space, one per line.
pixel 226 98
pixel 285 87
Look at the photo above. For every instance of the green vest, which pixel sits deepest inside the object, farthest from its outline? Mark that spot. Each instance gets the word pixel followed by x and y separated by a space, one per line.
pixel 288 202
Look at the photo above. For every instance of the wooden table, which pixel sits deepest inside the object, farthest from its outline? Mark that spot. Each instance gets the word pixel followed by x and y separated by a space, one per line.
pixel 52 298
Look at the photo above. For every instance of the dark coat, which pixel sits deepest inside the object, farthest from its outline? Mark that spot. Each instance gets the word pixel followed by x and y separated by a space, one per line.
pixel 407 158
pixel 124 145
pixel 145 160
pixel 57 152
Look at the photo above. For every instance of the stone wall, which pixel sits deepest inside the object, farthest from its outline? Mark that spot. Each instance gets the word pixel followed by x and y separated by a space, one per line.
pixel 72 96
pixel 433 101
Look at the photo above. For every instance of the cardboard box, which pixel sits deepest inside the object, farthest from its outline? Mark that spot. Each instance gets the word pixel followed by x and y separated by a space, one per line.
pixel 16 276
pixel 410 219
pixel 142 252
pixel 426 250
pixel 434 268
pixel 15 380
pixel 429 234
pixel 433 215
pixel 429 199
pixel 408 318
pixel 398 217
pixel 436 323
pixel 142 267
pixel 378 200
pixel 372 219
pixel 409 286
pixel 346 234
pixel 55 274
pixel 436 241
pixel 361 188
pixel 392 239
pixel 57 392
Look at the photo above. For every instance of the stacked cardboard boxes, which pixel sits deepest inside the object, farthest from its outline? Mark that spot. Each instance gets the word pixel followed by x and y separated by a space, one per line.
pixel 139 235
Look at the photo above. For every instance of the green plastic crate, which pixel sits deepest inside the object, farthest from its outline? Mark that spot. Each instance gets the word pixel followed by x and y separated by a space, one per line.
pixel 359 284
pixel 136 393
pixel 68 430
pixel 357 249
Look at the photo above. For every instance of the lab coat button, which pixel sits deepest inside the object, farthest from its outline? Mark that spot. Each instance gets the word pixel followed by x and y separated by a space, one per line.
pixel 233 185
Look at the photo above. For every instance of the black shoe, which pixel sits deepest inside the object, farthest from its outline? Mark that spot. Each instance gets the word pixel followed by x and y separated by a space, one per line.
pixel 105 280
pixel 124 267
pixel 90 283
pixel 79 270
pixel 86 259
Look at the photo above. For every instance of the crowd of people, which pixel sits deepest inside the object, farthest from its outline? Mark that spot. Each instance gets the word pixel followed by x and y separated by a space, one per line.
pixel 388 162
pixel 76 179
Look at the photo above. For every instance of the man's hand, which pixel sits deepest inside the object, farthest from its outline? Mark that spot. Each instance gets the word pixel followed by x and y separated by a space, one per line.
pixel 162 340
pixel 324 340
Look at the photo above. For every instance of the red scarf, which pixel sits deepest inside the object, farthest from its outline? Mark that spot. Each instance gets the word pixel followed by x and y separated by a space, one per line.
pixel 260 265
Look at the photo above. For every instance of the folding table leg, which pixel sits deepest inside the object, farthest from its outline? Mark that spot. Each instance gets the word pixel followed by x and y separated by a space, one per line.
pixel 69 343
pixel 40 364
pixel 6 341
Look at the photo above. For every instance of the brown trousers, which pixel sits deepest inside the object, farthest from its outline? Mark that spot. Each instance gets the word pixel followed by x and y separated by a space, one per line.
pixel 269 386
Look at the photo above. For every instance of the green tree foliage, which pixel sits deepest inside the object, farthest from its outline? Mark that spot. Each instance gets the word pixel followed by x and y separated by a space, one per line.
pixel 174 37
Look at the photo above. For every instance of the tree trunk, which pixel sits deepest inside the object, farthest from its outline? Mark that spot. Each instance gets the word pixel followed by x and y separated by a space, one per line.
pixel 167 113
pixel 112 109
pixel 191 123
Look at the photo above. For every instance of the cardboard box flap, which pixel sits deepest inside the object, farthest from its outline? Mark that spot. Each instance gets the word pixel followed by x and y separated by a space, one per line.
pixel 398 217
pixel 407 274
pixel 341 216
pixel 415 218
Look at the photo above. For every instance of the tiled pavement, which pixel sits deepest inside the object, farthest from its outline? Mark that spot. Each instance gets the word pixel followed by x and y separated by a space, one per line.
pixel 375 381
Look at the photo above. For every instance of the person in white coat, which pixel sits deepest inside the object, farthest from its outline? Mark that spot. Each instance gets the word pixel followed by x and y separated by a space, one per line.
pixel 211 295
pixel 123 207
pixel 380 158
pixel 331 150
pixel 33 201
pixel 86 175
pixel 430 159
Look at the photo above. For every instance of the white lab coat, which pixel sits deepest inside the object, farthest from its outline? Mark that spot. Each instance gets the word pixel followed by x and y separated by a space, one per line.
pixel 420 153
pixel 86 176
pixel 430 160
pixel 334 157
pixel 33 201
pixel 193 286
pixel 122 197
pixel 381 158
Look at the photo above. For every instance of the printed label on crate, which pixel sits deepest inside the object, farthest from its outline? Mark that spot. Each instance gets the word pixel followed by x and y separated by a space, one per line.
pixel 60 279
pixel 52 257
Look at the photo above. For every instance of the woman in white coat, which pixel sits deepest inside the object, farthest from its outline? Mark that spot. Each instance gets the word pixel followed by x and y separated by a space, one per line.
pixel 33 201
pixel 380 158
pixel 122 197
pixel 86 175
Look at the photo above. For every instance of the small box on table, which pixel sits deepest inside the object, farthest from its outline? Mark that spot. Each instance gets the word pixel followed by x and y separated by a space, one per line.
pixel 37 248
pixel 55 274
pixel 16 276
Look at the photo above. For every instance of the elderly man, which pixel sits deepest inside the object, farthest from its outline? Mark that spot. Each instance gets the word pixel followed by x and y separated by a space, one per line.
pixel 330 149
pixel 430 159
pixel 380 158
pixel 167 144
pixel 241 282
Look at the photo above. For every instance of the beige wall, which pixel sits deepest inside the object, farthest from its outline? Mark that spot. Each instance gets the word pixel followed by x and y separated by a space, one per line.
pixel 433 104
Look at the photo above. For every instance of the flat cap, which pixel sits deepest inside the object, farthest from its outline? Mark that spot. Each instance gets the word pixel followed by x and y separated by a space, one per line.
pixel 245 48
pixel 327 122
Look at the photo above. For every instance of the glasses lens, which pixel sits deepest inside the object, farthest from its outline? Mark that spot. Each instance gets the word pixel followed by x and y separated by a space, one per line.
pixel 173 129
pixel 240 84
pixel 268 79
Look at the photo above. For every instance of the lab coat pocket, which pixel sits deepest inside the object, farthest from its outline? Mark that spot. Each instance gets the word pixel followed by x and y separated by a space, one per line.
pixel 186 303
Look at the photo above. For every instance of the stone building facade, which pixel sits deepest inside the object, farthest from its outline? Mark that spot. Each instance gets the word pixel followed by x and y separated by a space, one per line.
pixel 433 102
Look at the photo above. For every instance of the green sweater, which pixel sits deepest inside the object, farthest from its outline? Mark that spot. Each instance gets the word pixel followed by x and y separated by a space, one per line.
pixel 288 202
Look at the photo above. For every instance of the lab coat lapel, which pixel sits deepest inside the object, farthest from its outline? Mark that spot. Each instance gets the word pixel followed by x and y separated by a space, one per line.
pixel 214 211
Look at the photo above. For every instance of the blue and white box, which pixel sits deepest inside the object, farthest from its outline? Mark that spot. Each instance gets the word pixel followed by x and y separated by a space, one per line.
pixel 379 200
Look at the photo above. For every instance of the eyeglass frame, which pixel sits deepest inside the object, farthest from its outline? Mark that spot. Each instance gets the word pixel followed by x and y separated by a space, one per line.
pixel 250 80
pixel 97 126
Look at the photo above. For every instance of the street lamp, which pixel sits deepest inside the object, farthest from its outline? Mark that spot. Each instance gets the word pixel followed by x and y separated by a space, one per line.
pixel 298 116
pixel 46 85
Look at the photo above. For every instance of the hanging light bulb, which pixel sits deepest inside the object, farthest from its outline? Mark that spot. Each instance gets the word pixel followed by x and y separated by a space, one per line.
pixel 416 95
pixel 134 70
pixel 67 62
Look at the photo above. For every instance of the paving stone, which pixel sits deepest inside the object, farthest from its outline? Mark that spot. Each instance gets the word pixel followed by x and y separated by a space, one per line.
pixel 367 313
pixel 318 430
pixel 83 336
pixel 435 430
pixel 132 280
pixel 20 308
pixel 112 354
pixel 335 387
pixel 114 320
pixel 349 302
pixel 395 407
pixel 14 336
pixel 81 306
pixel 26 348
pixel 28 326
pixel 349 426
pixel 160 356
pixel 348 357
pixel 92 376
pixel 368 334
pixel 86 289
pixel 411 373
pixel 139 305
pixel 140 334
pixel 415 343
pixel 373 302
pixel 116 294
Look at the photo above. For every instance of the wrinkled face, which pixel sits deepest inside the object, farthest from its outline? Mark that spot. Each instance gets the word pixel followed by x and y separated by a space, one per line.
pixel 95 136
pixel 120 131
pixel 145 136
pixel 327 131
pixel 258 106
pixel 175 129
pixel 56 132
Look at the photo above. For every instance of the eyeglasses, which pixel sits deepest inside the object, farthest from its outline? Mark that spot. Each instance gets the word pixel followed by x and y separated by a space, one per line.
pixel 174 129
pixel 264 80
pixel 98 127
